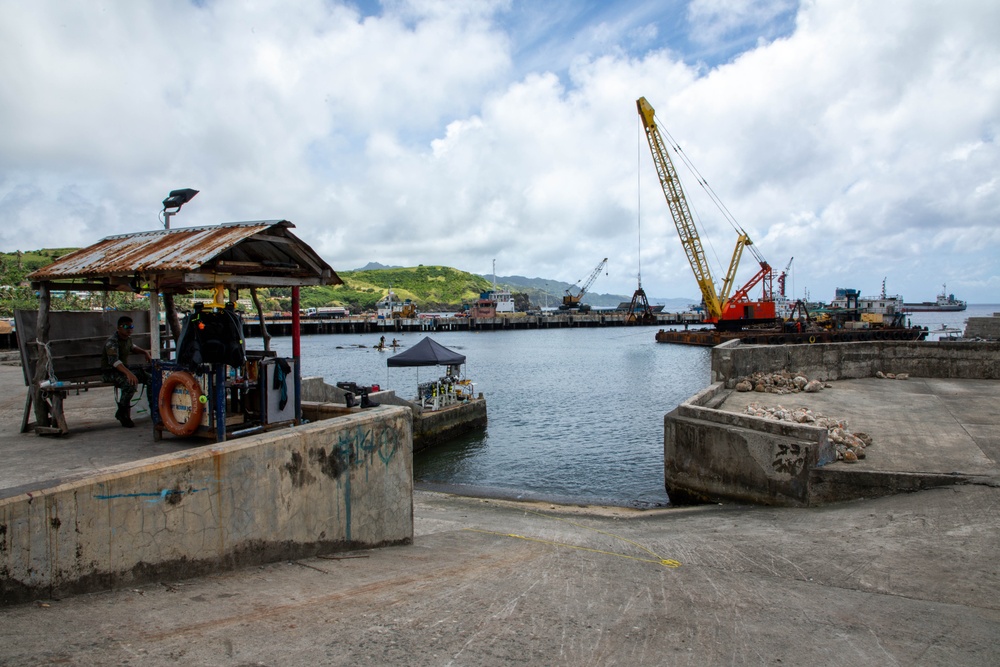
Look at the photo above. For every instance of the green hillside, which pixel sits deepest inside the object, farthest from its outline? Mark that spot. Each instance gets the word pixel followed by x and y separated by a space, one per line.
pixel 15 293
pixel 430 287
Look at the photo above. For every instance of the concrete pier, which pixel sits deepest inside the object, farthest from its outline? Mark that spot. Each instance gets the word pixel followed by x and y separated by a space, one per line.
pixel 322 400
pixel 517 321
pixel 940 426
pixel 909 579
pixel 902 580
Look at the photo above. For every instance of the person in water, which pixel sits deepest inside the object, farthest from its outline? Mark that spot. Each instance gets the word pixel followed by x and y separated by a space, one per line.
pixel 115 369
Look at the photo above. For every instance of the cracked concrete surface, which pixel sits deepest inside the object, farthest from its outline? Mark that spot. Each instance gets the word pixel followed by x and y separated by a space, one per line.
pixel 908 580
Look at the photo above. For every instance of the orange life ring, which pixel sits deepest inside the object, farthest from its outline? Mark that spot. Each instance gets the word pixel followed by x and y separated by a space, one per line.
pixel 189 382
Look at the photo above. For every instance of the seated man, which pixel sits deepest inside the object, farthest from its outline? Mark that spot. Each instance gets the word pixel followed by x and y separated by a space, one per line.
pixel 114 368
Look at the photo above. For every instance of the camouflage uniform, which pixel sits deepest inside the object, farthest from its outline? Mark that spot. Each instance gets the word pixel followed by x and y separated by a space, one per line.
pixel 117 349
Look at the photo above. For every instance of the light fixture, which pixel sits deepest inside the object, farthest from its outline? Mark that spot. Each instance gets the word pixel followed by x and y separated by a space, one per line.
pixel 175 200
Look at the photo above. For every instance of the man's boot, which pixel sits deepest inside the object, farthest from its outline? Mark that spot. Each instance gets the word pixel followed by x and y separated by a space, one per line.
pixel 123 416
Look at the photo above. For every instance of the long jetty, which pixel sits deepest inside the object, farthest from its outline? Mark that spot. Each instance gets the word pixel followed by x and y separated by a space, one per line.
pixel 372 324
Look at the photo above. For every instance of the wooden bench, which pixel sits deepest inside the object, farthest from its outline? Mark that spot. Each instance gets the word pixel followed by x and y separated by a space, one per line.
pixel 54 394
pixel 74 348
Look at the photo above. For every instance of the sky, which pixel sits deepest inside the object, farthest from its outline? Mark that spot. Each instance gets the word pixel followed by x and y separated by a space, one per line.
pixel 855 142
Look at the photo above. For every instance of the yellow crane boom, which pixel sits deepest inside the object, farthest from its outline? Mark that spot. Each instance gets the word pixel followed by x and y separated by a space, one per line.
pixel 724 309
pixel 681 214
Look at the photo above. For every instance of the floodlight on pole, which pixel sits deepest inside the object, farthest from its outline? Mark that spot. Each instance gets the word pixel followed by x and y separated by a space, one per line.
pixel 175 200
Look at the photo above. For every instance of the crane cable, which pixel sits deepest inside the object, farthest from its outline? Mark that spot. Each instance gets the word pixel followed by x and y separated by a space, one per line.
pixel 719 267
pixel 703 182
pixel 638 198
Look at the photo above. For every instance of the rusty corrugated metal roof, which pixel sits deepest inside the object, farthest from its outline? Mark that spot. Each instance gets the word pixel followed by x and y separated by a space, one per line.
pixel 258 248
pixel 183 249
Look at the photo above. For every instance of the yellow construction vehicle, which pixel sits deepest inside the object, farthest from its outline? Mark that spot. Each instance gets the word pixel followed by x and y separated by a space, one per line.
pixel 388 308
pixel 721 309
pixel 572 301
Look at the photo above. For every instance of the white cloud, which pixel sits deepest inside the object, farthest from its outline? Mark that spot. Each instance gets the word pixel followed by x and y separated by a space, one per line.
pixel 713 20
pixel 862 140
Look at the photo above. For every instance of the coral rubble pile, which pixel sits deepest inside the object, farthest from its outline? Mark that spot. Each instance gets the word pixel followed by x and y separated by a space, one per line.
pixel 850 446
pixel 779 383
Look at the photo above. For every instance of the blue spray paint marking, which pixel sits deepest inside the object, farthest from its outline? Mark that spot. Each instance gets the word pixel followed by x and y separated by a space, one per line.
pixel 365 443
pixel 345 447
pixel 350 447
pixel 387 438
pixel 155 497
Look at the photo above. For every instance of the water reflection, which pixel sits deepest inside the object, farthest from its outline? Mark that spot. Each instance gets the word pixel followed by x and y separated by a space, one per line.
pixel 573 413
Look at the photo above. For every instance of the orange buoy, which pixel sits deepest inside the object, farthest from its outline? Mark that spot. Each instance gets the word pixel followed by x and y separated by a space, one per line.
pixel 190 383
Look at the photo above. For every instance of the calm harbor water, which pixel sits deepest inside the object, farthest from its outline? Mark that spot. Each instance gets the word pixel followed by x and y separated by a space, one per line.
pixel 574 414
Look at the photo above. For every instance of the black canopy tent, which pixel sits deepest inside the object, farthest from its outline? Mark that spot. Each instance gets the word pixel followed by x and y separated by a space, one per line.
pixel 427 352
pixel 440 393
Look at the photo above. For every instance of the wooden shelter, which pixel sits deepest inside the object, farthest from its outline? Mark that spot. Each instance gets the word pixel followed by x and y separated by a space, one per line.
pixel 227 257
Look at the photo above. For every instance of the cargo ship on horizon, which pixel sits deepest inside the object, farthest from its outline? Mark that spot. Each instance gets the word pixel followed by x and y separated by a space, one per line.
pixel 946 303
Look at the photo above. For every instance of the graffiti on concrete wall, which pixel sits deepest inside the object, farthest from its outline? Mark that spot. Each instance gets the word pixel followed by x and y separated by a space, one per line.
pixel 383 444
pixel 351 446
pixel 789 459
pixel 360 443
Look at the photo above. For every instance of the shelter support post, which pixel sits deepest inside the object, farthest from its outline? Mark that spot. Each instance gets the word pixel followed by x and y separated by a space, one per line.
pixel 42 362
pixel 28 400
pixel 218 401
pixel 48 408
pixel 154 321
pixel 297 354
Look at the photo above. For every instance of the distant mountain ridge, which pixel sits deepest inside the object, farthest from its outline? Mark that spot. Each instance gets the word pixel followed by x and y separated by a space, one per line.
pixel 407 284
pixel 557 288
pixel 375 266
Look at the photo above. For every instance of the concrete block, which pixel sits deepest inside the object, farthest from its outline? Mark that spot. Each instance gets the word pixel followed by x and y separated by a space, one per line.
pixel 734 457
pixel 336 484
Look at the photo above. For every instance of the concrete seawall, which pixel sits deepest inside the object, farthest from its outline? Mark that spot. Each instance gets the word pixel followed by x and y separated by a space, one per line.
pixel 936 429
pixel 983 327
pixel 841 361
pixel 710 453
pixel 328 486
